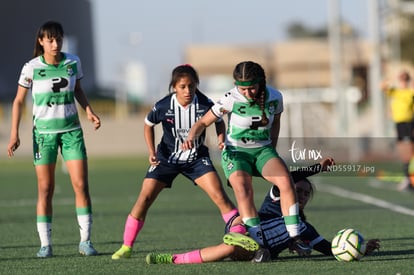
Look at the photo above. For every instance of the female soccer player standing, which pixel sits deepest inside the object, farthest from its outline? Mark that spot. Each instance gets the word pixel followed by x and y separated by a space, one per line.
pixel 54 80
pixel 402 111
pixel 253 129
pixel 177 112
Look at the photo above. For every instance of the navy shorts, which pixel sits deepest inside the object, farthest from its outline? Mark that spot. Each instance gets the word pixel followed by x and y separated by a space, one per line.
pixel 167 172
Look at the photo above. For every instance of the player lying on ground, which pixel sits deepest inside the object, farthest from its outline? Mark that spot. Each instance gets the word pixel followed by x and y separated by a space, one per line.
pixel 241 247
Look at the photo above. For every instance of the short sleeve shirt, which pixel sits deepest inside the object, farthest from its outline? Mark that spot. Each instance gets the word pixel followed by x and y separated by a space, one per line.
pixel 52 87
pixel 176 123
pixel 245 128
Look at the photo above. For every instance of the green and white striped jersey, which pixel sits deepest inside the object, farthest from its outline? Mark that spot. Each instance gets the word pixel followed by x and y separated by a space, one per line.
pixel 52 87
pixel 245 128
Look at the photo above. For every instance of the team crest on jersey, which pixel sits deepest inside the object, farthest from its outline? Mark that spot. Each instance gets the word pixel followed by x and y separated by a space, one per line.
pixel 69 70
pixel 271 107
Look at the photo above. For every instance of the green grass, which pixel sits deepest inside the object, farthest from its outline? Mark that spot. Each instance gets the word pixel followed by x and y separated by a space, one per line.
pixel 184 219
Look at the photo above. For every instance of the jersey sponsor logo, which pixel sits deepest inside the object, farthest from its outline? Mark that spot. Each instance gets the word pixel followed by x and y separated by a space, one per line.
pixel 241 110
pixel 256 122
pixel 223 111
pixel 247 141
pixel 52 101
pixel 42 73
pixel 28 80
pixel 182 133
pixel 59 83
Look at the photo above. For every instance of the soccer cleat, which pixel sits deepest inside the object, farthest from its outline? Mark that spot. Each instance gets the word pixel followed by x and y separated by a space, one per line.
pixel 124 252
pixel 155 258
pixel 86 248
pixel 262 256
pixel 243 241
pixel 298 246
pixel 45 252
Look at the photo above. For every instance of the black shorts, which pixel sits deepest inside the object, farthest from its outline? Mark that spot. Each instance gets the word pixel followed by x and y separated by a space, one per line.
pixel 405 131
pixel 167 172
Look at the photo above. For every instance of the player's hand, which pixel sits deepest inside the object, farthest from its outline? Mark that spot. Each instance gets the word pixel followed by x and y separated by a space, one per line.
pixel 187 144
pixel 13 145
pixel 372 245
pixel 221 145
pixel 326 162
pixel 153 160
pixel 93 117
pixel 95 120
pixel 384 85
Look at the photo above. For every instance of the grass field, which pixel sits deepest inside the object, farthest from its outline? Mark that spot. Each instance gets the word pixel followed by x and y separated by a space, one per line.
pixel 184 219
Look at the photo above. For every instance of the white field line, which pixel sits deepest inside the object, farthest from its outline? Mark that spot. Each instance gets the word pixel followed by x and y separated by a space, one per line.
pixel 32 202
pixel 340 192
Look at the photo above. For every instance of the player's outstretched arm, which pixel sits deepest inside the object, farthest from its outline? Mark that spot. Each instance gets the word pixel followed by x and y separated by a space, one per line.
pixel 196 130
pixel 372 245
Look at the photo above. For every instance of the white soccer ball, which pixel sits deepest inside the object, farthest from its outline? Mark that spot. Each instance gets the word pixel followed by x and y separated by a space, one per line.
pixel 348 245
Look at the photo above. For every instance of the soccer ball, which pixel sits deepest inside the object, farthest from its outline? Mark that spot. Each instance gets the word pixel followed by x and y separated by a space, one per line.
pixel 348 245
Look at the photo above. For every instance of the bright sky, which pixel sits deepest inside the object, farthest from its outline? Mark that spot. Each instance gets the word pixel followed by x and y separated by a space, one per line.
pixel 161 29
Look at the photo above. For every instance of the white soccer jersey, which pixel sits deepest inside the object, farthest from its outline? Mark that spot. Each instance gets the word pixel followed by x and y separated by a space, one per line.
pixel 245 128
pixel 52 87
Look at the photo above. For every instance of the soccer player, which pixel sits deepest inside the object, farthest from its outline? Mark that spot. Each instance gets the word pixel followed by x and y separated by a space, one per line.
pixel 402 111
pixel 253 129
pixel 241 247
pixel 177 112
pixel 54 80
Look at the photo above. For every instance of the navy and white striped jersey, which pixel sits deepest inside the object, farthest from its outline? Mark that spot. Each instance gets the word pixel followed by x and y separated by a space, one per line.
pixel 275 232
pixel 176 123
pixel 277 238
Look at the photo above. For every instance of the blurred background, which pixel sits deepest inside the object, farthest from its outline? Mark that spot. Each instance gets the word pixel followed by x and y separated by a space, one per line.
pixel 327 57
